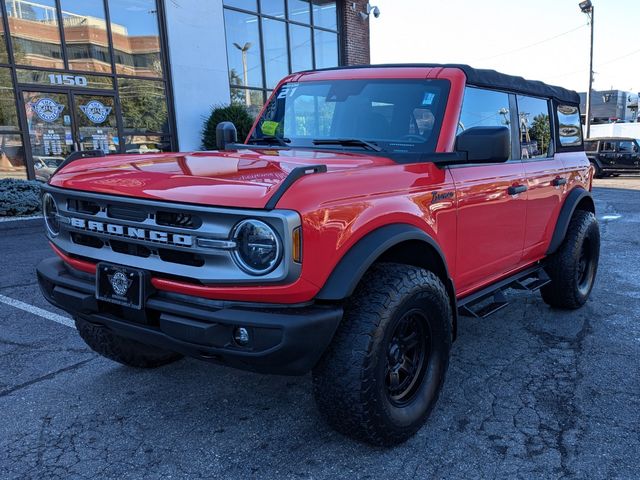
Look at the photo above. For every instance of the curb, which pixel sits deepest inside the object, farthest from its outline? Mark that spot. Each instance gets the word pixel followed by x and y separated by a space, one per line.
pixel 19 223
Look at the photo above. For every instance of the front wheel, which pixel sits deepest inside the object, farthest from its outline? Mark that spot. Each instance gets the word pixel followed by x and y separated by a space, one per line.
pixel 385 368
pixel 573 267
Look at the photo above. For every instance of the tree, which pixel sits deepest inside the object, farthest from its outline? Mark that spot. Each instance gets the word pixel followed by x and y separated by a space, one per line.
pixel 540 131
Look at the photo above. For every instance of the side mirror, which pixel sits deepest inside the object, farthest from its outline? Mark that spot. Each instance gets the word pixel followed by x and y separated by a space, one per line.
pixel 226 133
pixel 485 144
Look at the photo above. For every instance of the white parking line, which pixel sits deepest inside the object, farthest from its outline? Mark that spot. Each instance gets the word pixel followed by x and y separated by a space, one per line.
pixel 41 312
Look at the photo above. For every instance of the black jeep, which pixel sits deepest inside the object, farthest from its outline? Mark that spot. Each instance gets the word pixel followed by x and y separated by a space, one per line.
pixel 613 156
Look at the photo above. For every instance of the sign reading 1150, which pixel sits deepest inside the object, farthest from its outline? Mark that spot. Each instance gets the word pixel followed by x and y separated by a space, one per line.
pixel 72 80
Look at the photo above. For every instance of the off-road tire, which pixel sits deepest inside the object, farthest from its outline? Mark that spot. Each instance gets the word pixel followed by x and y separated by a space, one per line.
pixel 350 381
pixel 123 350
pixel 569 287
pixel 598 171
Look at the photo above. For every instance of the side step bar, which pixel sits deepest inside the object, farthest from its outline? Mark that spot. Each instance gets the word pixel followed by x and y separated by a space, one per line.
pixel 487 301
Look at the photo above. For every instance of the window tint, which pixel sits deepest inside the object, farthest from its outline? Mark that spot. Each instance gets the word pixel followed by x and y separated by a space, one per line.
pixel 484 108
pixel 626 146
pixel 569 127
pixel 608 147
pixel 534 127
pixel 591 146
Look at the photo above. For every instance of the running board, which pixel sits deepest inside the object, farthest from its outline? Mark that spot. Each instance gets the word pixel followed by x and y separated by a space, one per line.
pixel 489 300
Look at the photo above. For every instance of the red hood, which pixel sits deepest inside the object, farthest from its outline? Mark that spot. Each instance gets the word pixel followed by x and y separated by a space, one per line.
pixel 243 178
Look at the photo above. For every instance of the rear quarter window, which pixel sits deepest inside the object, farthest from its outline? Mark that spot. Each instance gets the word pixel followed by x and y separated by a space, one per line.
pixel 569 126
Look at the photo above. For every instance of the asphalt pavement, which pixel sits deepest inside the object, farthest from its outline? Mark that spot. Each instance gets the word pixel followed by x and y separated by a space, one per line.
pixel 531 392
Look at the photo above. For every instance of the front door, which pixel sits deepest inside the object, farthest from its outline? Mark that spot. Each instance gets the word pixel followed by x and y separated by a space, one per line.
pixel 60 123
pixel 627 154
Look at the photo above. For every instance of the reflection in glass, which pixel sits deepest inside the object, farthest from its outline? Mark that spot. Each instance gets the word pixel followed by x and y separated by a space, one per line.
pixel 275 51
pixel 484 108
pixel 535 127
pixel 569 127
pixel 243 4
pixel 324 14
pixel 144 106
pixel 12 157
pixel 275 8
pixel 96 123
pixel 34 32
pixel 3 42
pixel 85 35
pixel 299 11
pixel 146 144
pixel 136 41
pixel 326 45
pixel 300 40
pixel 243 49
pixel 8 113
pixel 252 99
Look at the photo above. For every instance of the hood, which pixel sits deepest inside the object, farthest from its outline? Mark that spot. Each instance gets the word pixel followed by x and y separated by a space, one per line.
pixel 241 178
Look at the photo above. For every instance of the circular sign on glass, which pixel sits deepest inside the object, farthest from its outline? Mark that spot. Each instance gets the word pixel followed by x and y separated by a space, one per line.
pixel 47 109
pixel 95 111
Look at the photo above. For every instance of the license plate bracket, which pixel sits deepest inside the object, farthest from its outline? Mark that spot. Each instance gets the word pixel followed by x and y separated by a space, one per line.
pixel 121 285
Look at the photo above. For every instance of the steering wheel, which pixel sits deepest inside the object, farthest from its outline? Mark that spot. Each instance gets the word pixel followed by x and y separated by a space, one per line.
pixel 413 137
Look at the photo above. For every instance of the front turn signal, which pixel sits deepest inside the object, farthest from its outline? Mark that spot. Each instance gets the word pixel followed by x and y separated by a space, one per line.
pixel 297 244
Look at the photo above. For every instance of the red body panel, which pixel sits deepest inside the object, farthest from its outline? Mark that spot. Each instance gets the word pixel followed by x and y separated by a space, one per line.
pixel 484 232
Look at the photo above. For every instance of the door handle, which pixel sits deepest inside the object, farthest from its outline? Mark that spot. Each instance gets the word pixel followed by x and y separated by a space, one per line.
pixel 559 181
pixel 516 189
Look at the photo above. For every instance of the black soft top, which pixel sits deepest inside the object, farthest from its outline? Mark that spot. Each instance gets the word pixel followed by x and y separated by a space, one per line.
pixel 492 79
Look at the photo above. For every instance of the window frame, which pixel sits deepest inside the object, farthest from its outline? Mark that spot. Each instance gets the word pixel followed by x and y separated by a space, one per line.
pixel 552 131
pixel 266 90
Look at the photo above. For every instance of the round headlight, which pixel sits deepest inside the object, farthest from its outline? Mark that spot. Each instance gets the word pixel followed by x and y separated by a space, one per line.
pixel 50 212
pixel 258 249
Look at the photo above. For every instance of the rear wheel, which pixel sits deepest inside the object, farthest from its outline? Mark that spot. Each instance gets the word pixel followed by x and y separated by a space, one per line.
pixel 573 267
pixel 384 370
pixel 123 350
pixel 598 171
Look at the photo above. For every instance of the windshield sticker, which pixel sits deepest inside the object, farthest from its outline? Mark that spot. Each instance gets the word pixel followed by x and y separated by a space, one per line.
pixel 428 98
pixel 287 90
pixel 269 127
pixel 47 109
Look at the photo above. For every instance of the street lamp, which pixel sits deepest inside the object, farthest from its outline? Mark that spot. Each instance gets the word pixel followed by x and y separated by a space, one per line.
pixel 245 73
pixel 587 8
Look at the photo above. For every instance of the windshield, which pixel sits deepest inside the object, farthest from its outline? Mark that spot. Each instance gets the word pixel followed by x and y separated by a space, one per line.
pixel 392 116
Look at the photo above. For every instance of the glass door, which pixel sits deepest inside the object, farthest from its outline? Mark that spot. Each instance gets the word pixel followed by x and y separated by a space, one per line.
pixel 50 126
pixel 96 126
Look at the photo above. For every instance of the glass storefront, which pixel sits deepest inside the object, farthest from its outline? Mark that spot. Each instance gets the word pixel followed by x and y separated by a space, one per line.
pixel 80 75
pixel 268 39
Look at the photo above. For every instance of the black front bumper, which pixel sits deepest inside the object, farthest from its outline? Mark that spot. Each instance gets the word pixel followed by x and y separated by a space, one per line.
pixel 287 340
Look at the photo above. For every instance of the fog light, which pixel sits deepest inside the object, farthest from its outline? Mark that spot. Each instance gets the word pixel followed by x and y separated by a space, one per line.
pixel 241 336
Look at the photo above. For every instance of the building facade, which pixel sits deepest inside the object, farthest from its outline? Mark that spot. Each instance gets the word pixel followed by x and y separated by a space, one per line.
pixel 611 106
pixel 140 76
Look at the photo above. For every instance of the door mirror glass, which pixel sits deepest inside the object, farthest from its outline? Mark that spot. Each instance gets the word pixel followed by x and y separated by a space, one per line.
pixel 485 144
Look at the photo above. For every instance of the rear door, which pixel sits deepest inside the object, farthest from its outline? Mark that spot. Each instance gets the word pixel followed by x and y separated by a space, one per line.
pixel 608 154
pixel 626 154
pixel 491 219
pixel 545 173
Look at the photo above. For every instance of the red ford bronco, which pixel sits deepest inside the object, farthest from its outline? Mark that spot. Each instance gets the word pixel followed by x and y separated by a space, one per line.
pixel 366 210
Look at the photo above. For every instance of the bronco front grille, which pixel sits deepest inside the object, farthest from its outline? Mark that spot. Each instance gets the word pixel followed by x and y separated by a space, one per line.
pixel 174 239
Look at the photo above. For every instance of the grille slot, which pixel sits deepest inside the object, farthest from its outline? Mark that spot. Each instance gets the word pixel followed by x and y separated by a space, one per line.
pixel 131 214
pixel 83 206
pixel 86 240
pixel 130 248
pixel 180 220
pixel 183 258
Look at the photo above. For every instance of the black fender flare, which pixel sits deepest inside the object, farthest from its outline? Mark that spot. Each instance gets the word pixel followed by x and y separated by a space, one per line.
pixel 594 160
pixel 576 196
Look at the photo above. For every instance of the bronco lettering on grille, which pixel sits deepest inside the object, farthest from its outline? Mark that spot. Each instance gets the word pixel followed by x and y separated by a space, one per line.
pixel 132 232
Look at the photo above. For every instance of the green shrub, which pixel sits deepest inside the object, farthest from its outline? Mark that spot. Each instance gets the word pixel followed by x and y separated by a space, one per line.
pixel 237 114
pixel 19 197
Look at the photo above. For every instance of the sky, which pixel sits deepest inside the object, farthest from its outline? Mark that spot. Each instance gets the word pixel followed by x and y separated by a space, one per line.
pixel 544 40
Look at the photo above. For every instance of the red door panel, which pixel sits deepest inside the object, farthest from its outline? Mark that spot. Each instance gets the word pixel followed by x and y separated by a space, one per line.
pixel 491 222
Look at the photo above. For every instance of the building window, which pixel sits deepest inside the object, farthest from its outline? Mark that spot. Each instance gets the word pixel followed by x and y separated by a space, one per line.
pixel 268 39
pixel 12 162
pixel 85 35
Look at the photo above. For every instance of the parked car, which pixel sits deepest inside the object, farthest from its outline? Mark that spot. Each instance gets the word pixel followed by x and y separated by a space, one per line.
pixel 613 155
pixel 366 210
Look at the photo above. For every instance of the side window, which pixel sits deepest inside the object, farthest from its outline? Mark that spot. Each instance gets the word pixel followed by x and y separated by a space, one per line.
pixel 569 126
pixel 534 127
pixel 626 146
pixel 590 146
pixel 608 146
pixel 484 108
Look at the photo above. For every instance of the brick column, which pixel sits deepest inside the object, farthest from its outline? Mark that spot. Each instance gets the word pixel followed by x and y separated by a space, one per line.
pixel 355 34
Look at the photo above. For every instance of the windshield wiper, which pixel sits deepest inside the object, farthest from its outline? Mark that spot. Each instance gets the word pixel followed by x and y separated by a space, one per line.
pixel 348 142
pixel 270 140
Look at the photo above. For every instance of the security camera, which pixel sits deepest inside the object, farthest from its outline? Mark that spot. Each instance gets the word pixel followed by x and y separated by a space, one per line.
pixel 368 11
pixel 376 12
